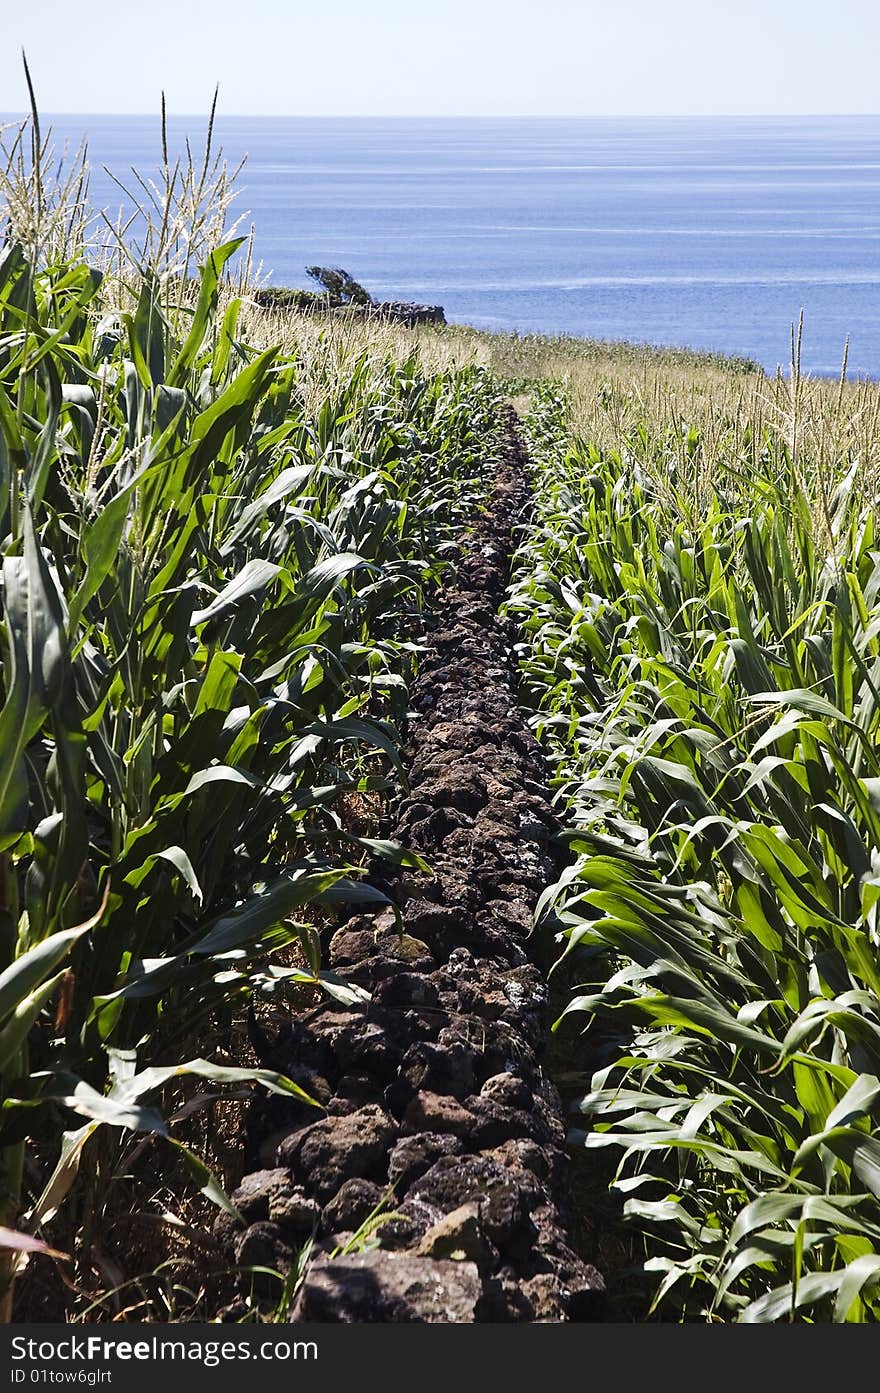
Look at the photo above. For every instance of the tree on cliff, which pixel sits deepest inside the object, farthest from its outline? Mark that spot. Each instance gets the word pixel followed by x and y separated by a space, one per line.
pixel 339 287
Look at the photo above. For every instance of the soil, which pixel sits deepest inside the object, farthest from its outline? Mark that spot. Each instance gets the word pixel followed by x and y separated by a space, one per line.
pixel 434 1102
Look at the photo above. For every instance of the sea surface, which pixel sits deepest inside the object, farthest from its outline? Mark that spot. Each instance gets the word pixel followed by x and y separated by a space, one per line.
pixel 710 233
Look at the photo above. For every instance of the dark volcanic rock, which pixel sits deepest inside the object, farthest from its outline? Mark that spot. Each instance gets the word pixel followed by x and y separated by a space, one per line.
pixel 446 1067
pixel 264 1245
pixel 436 1112
pixel 454 1180
pixel 330 1152
pixel 494 1123
pixel 403 312
pixel 407 989
pixel 411 1221
pixel 295 1214
pixel 385 1286
pixel 432 1096
pixel 460 1235
pixel 257 1191
pixel 506 1089
pixel 414 1155
pixel 351 1206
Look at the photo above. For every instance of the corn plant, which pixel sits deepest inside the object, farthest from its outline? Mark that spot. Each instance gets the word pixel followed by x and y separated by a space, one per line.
pixel 209 615
pixel 706 684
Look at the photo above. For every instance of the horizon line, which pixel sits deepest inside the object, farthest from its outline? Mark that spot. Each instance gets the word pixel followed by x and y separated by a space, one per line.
pixel 469 116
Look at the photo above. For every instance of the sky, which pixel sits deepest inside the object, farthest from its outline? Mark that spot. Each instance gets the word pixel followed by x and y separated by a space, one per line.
pixel 446 57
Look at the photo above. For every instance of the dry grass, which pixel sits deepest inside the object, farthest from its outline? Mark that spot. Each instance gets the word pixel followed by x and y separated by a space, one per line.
pixel 635 399
pixel 694 421
pixel 140 1234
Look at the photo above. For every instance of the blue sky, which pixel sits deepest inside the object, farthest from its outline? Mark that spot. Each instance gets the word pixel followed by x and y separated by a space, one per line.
pixel 449 57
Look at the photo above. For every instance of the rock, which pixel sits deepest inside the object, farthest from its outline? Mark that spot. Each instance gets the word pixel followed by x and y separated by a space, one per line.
pixel 549 1121
pixel 411 1221
pixel 412 811
pixel 402 312
pixel 351 1206
pixel 494 1043
pixel 457 786
pixel 407 989
pixel 453 1180
pixel 515 915
pixel 460 842
pixel 226 1229
pixel 271 1195
pixel 295 1213
pixel 504 1299
pixel 477 1000
pixel 546 1297
pixel 501 944
pixel 357 1090
pixel 584 1295
pixel 264 1245
pixel 338 1148
pixel 460 960
pixel 381 952
pixel 492 1123
pixel 257 1190
pixel 367 1048
pixel 389 1287
pixel 505 1216
pixel 520 1153
pixel 508 1090
pixel 459 1236
pixel 525 987
pixel 330 1028
pixel 349 945
pixel 435 1112
pixel 530 1024
pixel 440 926
pixel 438 829
pixel 435 1087
pixel 411 950
pixel 413 1155
pixel 505 1200
pixel 301 1049
pixel 274 1115
pixel 440 1068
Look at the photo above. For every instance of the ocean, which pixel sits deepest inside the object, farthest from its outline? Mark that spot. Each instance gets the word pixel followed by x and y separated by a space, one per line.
pixel 708 233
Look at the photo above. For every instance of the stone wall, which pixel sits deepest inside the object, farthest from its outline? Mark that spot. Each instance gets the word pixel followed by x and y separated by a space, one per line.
pixel 434 1092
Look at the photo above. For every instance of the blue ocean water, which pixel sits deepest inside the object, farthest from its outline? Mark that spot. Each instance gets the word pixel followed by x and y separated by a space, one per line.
pixel 712 233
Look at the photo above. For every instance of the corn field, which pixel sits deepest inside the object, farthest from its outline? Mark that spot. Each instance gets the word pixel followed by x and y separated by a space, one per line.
pixel 209 592
pixel 220 530
pixel 704 669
